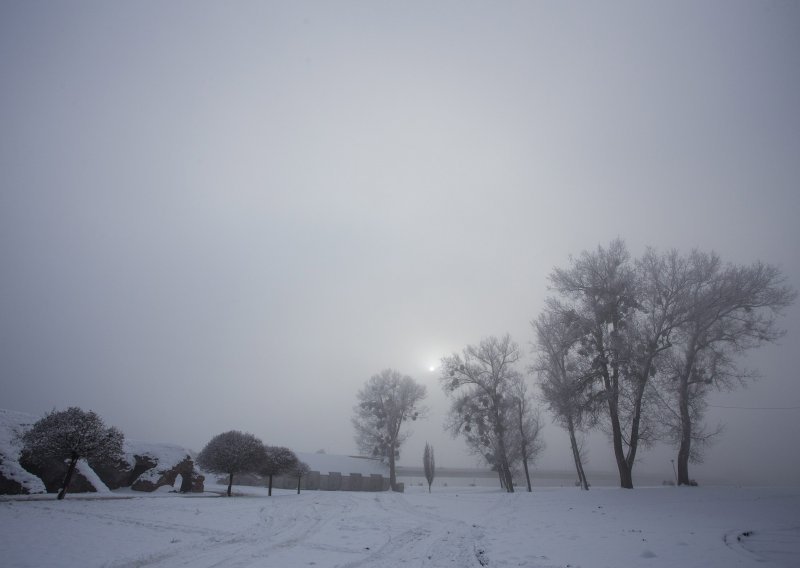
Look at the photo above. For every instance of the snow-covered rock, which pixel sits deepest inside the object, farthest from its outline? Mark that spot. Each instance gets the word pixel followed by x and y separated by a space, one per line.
pixel 169 461
pixel 15 479
pixel 144 466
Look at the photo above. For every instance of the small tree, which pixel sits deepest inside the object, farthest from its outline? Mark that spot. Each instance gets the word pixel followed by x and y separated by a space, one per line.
pixel 278 460
pixel 300 470
pixel 231 453
pixel 72 434
pixel 429 463
pixel 387 400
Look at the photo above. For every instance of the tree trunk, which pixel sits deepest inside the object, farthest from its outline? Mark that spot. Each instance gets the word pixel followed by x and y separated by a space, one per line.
pixel 576 454
pixel 298 484
pixel 684 450
pixel 633 444
pixel 230 482
pixel 505 469
pixel 611 384
pixel 392 479
pixel 269 490
pixel 524 445
pixel 625 476
pixel 68 477
pixel 429 487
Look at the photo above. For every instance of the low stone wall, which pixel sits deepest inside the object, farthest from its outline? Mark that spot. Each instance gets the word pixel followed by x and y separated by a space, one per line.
pixel 334 481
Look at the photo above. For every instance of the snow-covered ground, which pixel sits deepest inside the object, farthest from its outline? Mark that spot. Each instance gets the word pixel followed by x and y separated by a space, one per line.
pixel 708 527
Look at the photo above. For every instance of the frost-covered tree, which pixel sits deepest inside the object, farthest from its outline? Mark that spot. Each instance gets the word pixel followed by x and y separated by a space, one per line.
pixel 385 403
pixel 564 383
pixel 526 440
pixel 628 314
pixel 277 461
pixel 429 464
pixel 730 309
pixel 72 434
pixel 654 337
pixel 480 383
pixel 232 452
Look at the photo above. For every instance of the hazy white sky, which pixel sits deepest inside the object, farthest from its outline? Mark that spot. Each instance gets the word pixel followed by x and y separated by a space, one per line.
pixel 230 215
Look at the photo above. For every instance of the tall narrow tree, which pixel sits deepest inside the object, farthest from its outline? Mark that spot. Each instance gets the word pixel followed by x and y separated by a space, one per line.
pixel 564 382
pixel 385 403
pixel 429 464
pixel 527 428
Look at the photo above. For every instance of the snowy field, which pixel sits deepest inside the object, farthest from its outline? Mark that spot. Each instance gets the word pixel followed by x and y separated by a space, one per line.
pixel 675 527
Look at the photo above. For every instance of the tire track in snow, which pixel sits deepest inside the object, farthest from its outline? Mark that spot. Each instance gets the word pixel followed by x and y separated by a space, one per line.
pixel 276 528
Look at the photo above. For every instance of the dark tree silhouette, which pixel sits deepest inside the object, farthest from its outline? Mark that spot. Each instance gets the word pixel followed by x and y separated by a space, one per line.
pixel 231 453
pixel 429 464
pixel 278 460
pixel 72 434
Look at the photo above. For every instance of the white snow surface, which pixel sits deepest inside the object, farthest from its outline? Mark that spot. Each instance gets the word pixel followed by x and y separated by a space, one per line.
pixel 464 527
pixel 12 424
pixel 326 463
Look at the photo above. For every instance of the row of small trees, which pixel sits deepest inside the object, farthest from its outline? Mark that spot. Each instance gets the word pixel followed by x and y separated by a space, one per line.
pixel 633 347
pixel 74 434
pixel 234 452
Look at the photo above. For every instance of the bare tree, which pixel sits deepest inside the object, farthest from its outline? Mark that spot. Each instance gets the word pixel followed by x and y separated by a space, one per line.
pixel 564 382
pixel 480 380
pixel 231 453
pixel 527 428
pixel 277 461
pixel 656 336
pixel 385 403
pixel 300 470
pixel 429 464
pixel 72 434
pixel 731 309
pixel 628 315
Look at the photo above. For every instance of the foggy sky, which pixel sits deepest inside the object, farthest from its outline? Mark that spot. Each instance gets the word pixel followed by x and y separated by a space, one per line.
pixel 221 216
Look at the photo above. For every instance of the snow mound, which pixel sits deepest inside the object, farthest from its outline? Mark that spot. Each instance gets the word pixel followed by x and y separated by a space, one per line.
pixel 86 471
pixel 12 425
